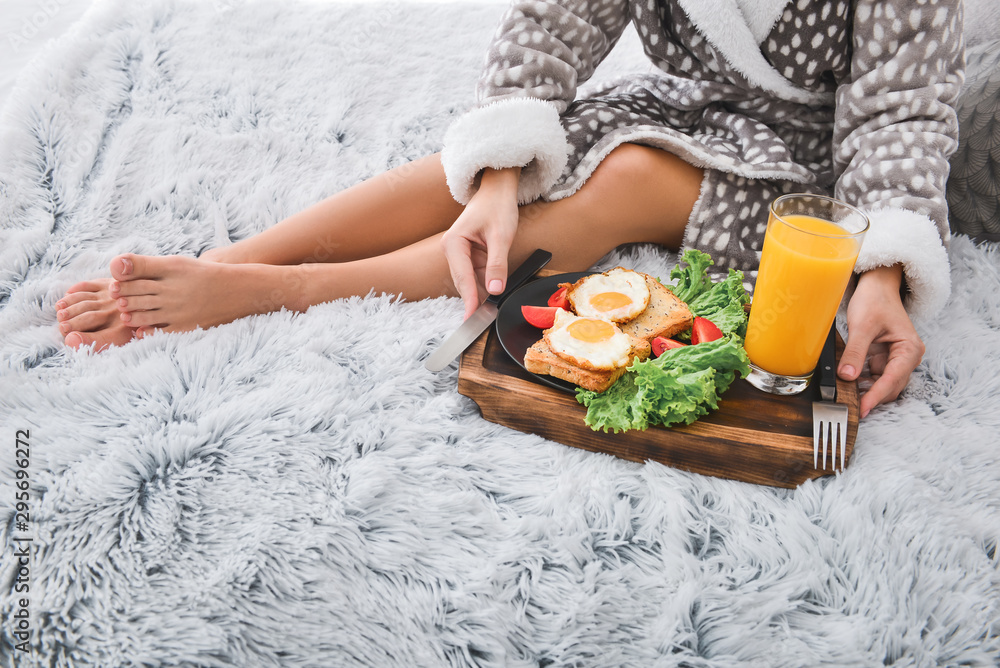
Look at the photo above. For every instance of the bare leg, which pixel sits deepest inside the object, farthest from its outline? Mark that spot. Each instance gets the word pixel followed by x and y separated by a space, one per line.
pixel 377 216
pixel 637 194
pixel 374 217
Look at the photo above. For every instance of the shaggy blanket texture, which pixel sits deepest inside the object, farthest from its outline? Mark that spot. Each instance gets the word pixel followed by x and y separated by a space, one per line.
pixel 297 490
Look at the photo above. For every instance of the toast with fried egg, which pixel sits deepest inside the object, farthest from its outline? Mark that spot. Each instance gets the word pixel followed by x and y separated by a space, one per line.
pixel 661 314
pixel 540 359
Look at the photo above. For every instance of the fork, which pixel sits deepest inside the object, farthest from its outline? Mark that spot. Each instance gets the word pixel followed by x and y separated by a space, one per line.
pixel 829 417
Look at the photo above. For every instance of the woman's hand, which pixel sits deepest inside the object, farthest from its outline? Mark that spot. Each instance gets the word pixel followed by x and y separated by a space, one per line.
pixel 478 242
pixel 879 328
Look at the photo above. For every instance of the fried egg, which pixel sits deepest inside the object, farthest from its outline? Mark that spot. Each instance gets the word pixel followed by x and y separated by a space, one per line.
pixel 617 295
pixel 589 343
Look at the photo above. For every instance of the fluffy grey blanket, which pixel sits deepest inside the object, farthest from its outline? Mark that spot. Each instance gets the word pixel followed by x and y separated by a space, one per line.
pixel 297 490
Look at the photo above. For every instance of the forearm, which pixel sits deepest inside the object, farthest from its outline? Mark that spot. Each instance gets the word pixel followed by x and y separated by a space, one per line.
pixel 499 182
pixel 887 280
pixel 895 128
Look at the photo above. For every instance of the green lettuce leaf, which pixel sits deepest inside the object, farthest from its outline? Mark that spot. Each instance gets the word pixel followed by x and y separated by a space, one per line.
pixel 683 384
pixel 725 356
pixel 723 304
pixel 674 395
pixel 616 409
pixel 680 386
pixel 693 279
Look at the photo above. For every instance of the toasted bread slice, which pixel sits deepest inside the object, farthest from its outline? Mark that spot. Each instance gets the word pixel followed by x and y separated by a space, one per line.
pixel 540 359
pixel 666 315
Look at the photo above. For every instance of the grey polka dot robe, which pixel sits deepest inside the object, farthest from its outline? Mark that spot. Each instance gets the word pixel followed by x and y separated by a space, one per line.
pixel 853 99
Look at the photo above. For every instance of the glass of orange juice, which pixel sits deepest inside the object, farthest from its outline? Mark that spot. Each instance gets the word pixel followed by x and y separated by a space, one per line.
pixel 809 251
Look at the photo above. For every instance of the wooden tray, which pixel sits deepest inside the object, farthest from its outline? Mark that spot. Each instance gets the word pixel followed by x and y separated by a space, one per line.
pixel 753 436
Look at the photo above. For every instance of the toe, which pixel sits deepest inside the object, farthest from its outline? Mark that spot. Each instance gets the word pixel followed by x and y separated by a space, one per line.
pixel 116 335
pixel 138 303
pixel 134 288
pixel 132 267
pixel 91 321
pixel 123 267
pixel 77 340
pixel 74 340
pixel 87 286
pixel 79 308
pixel 142 318
pixel 76 298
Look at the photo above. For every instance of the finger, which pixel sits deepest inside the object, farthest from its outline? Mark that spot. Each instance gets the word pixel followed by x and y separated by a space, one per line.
pixel 458 253
pixel 885 389
pixel 878 358
pixel 855 352
pixel 894 379
pixel 497 248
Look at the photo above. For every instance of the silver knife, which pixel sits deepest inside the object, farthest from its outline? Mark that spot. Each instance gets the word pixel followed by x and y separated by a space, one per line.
pixel 484 316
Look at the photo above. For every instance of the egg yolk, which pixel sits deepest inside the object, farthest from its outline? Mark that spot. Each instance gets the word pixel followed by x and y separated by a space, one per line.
pixel 591 331
pixel 609 301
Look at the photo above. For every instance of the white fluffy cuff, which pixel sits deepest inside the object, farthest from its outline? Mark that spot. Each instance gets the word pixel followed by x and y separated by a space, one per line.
pixel 516 132
pixel 901 236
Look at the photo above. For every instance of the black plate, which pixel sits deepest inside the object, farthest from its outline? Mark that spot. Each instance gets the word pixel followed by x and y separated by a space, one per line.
pixel 514 332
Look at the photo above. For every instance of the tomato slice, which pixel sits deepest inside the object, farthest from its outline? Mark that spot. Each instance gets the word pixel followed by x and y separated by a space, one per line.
pixel 541 317
pixel 662 344
pixel 558 299
pixel 704 330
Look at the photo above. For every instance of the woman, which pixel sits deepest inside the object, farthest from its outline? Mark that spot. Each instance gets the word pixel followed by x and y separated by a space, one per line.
pixel 751 99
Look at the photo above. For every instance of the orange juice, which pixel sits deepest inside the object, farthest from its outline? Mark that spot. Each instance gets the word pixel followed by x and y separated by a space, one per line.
pixel 804 269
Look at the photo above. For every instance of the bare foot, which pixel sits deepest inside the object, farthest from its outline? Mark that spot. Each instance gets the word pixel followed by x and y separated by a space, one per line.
pixel 176 293
pixel 87 315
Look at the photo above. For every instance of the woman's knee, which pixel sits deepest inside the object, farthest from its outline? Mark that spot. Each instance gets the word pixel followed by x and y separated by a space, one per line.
pixel 650 188
pixel 636 165
pixel 627 162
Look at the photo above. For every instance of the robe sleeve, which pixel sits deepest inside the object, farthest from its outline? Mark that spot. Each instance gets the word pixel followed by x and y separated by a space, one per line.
pixel 895 128
pixel 541 52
